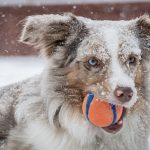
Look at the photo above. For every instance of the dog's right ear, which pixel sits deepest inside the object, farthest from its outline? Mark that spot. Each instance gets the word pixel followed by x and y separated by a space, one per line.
pixel 49 31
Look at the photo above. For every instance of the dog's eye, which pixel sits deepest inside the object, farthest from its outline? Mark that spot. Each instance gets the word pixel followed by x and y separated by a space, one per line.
pixel 132 60
pixel 93 62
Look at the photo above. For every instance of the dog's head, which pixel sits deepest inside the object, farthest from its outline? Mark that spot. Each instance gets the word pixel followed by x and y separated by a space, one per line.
pixel 107 58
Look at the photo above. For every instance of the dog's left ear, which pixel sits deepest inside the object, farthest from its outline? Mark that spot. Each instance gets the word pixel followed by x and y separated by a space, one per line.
pixel 47 32
pixel 143 33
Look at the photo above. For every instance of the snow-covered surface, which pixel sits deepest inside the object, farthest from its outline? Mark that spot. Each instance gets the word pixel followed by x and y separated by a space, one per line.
pixel 14 69
pixel 58 2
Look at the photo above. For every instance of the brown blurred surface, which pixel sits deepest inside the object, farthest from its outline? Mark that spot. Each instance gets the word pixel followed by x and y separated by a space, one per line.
pixel 10 17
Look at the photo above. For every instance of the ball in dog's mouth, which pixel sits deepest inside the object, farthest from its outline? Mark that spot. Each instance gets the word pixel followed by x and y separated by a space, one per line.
pixel 117 126
pixel 103 114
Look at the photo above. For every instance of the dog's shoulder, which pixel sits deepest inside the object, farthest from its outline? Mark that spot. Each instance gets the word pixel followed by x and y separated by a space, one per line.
pixel 10 97
pixel 11 93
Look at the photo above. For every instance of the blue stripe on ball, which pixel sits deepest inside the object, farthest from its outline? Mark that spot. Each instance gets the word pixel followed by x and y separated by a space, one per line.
pixel 113 107
pixel 89 100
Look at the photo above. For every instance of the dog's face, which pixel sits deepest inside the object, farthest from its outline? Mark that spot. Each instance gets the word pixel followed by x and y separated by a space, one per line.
pixel 108 61
pixel 102 57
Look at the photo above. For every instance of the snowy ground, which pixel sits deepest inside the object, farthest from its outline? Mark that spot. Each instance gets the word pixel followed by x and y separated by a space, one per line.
pixel 14 69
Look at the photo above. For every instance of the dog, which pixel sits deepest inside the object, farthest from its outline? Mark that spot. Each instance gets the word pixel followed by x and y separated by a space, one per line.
pixel 108 58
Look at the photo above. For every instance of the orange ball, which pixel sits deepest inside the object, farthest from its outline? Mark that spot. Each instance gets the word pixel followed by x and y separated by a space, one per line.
pixel 99 112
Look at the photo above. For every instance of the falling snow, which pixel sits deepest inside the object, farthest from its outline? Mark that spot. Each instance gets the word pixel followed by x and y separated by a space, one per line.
pixel 74 7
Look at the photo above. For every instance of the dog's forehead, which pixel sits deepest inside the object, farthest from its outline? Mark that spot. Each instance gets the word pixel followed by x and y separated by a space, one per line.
pixel 108 37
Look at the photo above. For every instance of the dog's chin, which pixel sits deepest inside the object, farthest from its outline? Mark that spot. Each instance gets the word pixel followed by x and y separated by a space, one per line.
pixel 115 128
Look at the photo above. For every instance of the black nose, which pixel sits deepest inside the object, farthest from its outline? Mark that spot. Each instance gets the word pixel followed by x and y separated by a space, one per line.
pixel 123 94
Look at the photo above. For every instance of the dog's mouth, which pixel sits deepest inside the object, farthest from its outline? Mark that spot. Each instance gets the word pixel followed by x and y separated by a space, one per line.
pixel 117 126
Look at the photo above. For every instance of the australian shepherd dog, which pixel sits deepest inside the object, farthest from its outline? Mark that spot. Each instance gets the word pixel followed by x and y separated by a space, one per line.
pixel 108 58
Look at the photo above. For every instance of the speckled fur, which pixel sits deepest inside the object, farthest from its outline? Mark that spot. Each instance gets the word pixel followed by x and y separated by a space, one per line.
pixel 44 112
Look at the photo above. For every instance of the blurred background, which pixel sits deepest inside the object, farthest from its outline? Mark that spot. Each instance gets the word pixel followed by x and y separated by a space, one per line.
pixel 19 61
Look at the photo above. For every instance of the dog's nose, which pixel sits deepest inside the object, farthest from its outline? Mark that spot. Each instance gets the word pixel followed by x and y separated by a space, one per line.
pixel 123 94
